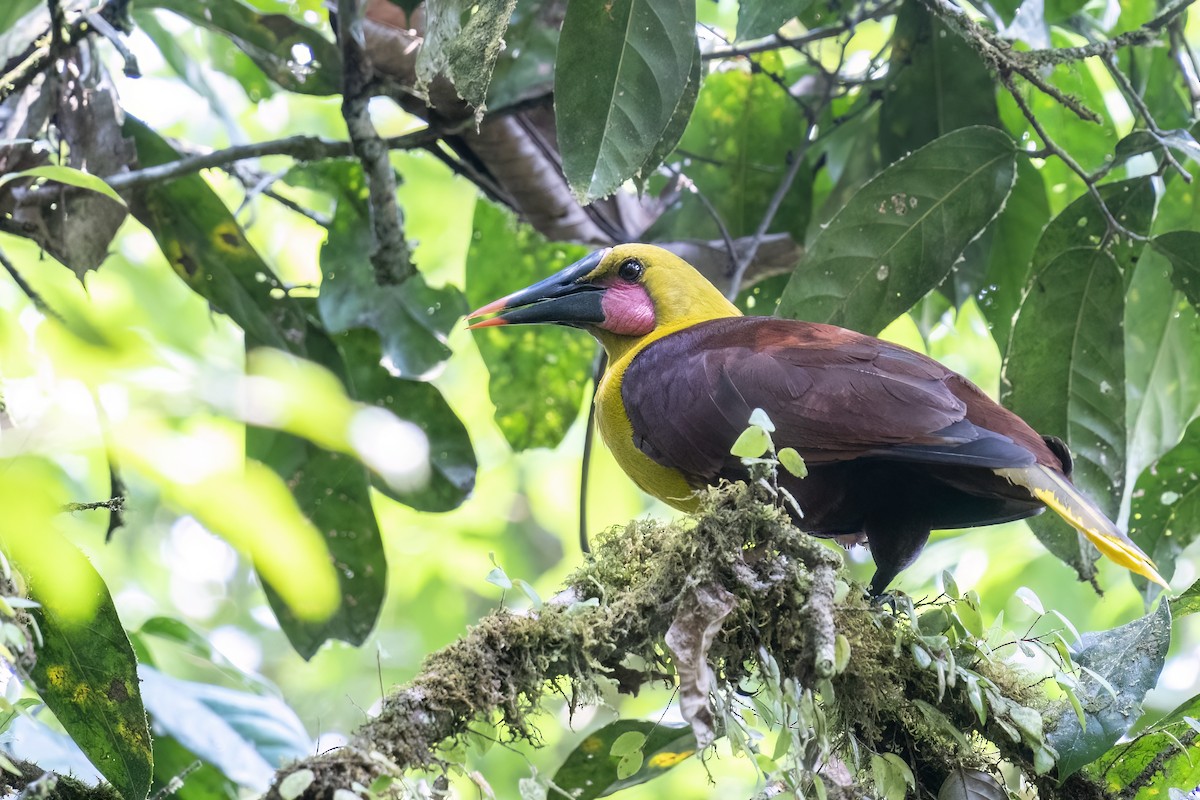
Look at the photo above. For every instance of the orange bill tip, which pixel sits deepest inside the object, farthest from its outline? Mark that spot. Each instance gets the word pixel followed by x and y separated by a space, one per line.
pixel 487 323
pixel 490 308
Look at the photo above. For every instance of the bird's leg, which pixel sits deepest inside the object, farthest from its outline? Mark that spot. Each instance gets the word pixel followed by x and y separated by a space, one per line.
pixel 893 549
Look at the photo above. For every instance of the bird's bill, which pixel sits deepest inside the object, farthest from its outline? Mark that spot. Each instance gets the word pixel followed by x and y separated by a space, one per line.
pixel 564 298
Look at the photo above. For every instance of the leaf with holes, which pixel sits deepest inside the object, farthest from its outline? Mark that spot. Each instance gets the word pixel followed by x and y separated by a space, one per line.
pixel 621 70
pixel 1165 511
pixel 898 237
pixel 87 675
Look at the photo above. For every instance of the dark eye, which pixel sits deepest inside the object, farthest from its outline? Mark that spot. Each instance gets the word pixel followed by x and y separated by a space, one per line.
pixel 630 270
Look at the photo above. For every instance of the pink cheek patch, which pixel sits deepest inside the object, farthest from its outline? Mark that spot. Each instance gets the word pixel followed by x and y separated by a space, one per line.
pixel 628 310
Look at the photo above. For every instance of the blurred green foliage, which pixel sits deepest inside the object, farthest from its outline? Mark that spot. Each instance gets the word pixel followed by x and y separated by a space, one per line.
pixel 318 472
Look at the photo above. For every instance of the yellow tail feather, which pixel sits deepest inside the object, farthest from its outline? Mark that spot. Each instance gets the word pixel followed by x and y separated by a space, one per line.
pixel 1060 495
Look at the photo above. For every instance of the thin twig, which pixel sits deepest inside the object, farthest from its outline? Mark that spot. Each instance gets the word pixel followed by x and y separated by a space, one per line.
pixel 1187 63
pixel 38 302
pixel 301 148
pixel 114 504
pixel 1053 147
pixel 777 41
pixel 1135 99
pixel 389 251
pixel 106 29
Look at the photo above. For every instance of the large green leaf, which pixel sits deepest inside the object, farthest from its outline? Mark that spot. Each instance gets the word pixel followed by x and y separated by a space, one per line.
pixel 504 256
pixel 601 765
pixel 763 17
pixel 244 735
pixel 1064 371
pixel 87 675
pixel 900 234
pixel 199 779
pixel 208 249
pixel 1128 661
pixel 463 52
pixel 1164 516
pixel 1182 249
pixel 451 456
pixel 409 322
pixel 1161 758
pixel 739 140
pixel 293 55
pixel 334 493
pixel 621 71
pixel 411 318
pixel 1015 233
pixel 936 84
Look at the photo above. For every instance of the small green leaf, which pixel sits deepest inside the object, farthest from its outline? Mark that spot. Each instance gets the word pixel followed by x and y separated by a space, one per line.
pixel 1186 603
pixel 976 698
pixel 753 443
pixel 793 462
pixel 841 654
pixel 921 656
pixel 1029 598
pixel 67 175
pixel 296 783
pixel 759 417
pixel 628 742
pixel 499 578
pixel 529 592
pixel 629 764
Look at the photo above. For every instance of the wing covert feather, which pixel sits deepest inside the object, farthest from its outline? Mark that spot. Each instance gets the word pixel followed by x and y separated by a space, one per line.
pixel 832 394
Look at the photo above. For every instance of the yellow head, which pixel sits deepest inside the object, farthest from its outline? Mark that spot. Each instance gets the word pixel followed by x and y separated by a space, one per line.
pixel 620 295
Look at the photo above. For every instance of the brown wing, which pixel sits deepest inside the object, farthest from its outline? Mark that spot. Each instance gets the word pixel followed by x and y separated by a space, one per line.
pixel 833 394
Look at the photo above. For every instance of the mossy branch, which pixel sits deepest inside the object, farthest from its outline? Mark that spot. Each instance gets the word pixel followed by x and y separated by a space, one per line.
pixel 623 601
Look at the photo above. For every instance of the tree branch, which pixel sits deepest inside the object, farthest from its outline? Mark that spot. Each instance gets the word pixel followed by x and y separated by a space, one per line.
pixel 389 251
pixel 301 148
pixel 622 603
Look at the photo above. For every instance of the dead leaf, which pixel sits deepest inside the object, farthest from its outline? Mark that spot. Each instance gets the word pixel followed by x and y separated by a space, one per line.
pixel 697 621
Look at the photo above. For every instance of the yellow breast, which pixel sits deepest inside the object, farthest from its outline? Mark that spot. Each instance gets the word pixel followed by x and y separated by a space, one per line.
pixel 662 482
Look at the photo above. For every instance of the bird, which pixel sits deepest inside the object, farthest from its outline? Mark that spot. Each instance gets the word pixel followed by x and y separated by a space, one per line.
pixel 896 445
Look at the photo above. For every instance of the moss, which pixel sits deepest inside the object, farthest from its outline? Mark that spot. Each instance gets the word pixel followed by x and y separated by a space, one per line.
pixel 640 574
